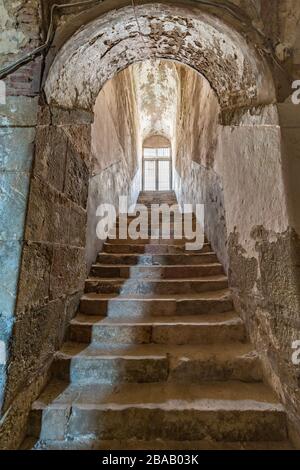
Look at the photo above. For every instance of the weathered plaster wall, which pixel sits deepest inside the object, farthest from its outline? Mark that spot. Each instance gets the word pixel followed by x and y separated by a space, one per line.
pixel 245 167
pixel 262 245
pixel 289 119
pixel 196 179
pixel 116 150
pixel 156 88
pixel 271 25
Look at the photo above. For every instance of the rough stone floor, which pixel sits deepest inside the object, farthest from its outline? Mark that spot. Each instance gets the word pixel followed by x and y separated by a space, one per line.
pixel 157 358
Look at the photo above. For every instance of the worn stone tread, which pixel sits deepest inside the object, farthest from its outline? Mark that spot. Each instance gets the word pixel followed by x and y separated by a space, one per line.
pixel 222 352
pixel 212 279
pixel 156 286
pixel 223 294
pixel 211 319
pixel 152 241
pixel 157 259
pixel 100 363
pixel 212 396
pixel 157 266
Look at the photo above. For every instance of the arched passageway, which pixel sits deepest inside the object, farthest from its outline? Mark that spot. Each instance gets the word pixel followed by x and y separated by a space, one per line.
pixel 217 105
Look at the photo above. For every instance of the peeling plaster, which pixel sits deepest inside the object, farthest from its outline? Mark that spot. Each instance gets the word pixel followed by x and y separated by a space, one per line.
pixel 112 42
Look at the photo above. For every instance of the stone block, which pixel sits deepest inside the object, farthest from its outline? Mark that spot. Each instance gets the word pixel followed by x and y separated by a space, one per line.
pixel 216 423
pixel 19 111
pixel 48 214
pixel 13 426
pixel 54 424
pixel 35 276
pixel 77 178
pixel 50 156
pixel 16 148
pixel 94 304
pixel 44 115
pixel 69 117
pixel 71 308
pixel 68 271
pixel 111 370
pixel 35 341
pixel 199 334
pixel 80 137
pixel 13 203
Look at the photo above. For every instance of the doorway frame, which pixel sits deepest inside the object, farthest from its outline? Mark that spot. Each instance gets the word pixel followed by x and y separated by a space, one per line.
pixel 156 160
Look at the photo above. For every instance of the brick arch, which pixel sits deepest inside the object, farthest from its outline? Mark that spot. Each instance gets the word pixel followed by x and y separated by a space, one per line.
pixel 112 42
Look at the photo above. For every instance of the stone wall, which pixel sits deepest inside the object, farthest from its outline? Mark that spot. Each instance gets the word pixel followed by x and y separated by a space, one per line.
pixel 17 135
pixel 263 247
pixel 53 266
pixel 20 25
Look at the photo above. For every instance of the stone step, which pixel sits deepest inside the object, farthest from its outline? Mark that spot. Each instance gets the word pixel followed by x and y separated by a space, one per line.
pixel 173 214
pixel 163 260
pixel 152 220
pixel 155 236
pixel 230 411
pixel 78 363
pixel 193 304
pixel 167 202
pixel 158 249
pixel 214 328
pixel 162 199
pixel 159 287
pixel 157 444
pixel 157 200
pixel 156 272
pixel 162 230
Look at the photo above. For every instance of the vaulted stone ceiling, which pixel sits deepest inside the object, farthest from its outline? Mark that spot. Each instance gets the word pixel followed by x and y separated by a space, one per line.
pixel 157 91
pixel 114 41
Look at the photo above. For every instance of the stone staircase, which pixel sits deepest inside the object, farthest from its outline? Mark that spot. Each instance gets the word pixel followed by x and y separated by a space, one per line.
pixel 157 358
